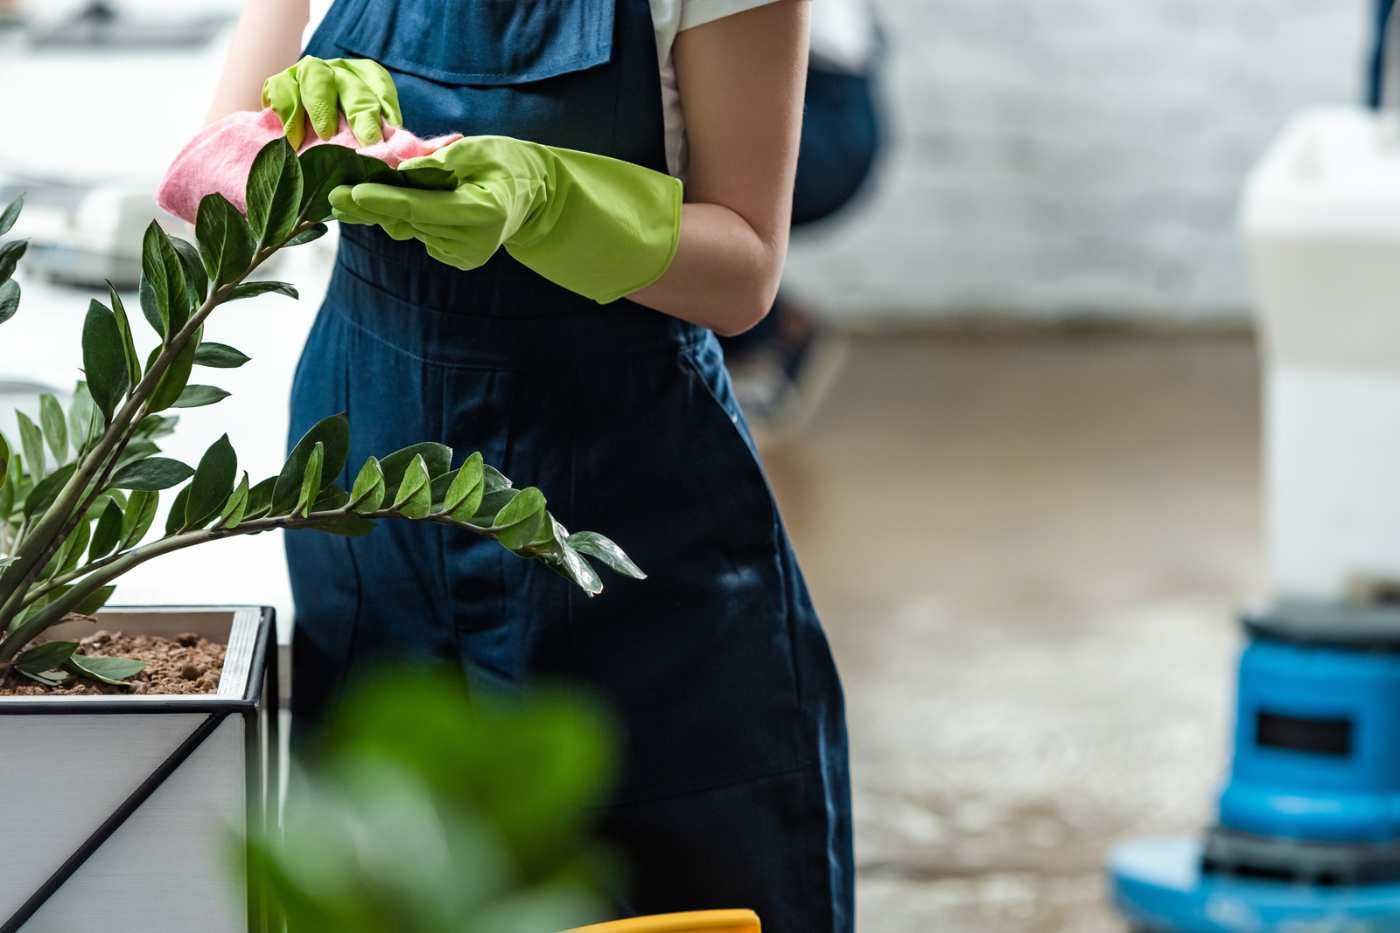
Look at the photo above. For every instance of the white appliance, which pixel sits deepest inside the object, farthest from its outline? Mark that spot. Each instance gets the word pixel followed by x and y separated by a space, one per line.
pixel 1321 217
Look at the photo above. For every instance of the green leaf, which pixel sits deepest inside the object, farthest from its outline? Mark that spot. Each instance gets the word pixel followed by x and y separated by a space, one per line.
pixel 150 307
pixel 104 359
pixel 151 474
pixel 197 396
pixel 468 486
pixel 254 289
pixel 495 479
pixel 49 678
pixel 226 242
pixel 219 356
pixel 522 519
pixel 138 516
pixel 9 299
pixel 49 656
pixel 10 215
pixel 173 382
pixel 324 169
pixel 4 468
pixel 100 501
pixel 176 517
pixel 573 567
pixel 523 504
pixel 273 193
pixel 84 422
pixel 436 457
pixel 330 498
pixel 438 488
pixel 236 506
pixel 114 671
pixel 71 552
pixel 196 278
pixel 212 483
pixel 94 601
pixel 260 498
pixel 491 505
pixel 31 441
pixel 165 297
pixel 10 255
pixel 367 495
pixel 46 490
pixel 7 499
pixel 321 173
pixel 349 526
pixel 333 433
pixel 310 234
pixel 153 426
pixel 414 498
pixel 311 480
pixel 137 450
pixel 133 362
pixel 602 548
pixel 108 533
pixel 55 426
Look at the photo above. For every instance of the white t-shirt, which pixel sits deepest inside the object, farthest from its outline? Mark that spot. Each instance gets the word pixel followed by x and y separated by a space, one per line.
pixel 669 18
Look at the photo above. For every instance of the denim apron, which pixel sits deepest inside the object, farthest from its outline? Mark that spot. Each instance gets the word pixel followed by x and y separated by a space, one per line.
pixel 735 790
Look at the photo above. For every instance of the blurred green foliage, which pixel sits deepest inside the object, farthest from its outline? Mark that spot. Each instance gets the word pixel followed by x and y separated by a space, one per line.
pixel 427 810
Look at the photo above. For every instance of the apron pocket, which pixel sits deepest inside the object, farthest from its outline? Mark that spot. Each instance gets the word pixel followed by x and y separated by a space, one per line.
pixel 483 42
pixel 735 476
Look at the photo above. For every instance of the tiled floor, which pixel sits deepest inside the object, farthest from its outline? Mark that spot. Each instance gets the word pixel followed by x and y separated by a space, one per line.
pixel 1027 551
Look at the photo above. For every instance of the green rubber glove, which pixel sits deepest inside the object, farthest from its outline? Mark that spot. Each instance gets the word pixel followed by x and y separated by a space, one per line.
pixel 320 90
pixel 597 226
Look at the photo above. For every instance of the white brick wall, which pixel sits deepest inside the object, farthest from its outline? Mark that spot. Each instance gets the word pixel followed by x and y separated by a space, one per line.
pixel 1067 157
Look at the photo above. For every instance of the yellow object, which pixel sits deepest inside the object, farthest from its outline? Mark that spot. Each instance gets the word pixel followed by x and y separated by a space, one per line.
pixel 699 921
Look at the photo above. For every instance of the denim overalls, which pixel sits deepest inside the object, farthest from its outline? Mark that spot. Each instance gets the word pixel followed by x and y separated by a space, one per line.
pixel 735 790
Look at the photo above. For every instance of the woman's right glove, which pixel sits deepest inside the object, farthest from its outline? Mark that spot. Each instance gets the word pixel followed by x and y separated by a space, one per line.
pixel 320 90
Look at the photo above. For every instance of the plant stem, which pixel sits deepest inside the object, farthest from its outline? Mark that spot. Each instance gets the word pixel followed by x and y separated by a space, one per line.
pixel 26 595
pixel 102 572
pixel 99 573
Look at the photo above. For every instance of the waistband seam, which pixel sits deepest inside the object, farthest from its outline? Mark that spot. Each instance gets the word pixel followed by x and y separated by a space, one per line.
pixel 677 341
pixel 416 357
pixel 343 263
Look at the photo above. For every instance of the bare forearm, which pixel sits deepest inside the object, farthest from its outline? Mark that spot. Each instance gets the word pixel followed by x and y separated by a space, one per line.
pixel 725 274
pixel 266 40
pixel 742 81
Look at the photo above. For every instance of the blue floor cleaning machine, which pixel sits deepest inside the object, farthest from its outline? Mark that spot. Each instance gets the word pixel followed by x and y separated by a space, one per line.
pixel 1307 830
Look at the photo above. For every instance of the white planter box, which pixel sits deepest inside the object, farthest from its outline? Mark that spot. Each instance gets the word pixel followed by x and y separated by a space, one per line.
pixel 117 809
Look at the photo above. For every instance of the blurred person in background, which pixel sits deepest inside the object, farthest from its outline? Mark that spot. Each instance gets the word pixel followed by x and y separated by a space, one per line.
pixel 1376 71
pixel 784 365
pixel 511 339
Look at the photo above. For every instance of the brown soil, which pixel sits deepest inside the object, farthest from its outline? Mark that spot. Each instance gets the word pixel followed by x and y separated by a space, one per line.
pixel 185 664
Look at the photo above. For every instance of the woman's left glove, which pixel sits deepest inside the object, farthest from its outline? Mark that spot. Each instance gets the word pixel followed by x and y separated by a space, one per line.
pixel 600 227
pixel 320 90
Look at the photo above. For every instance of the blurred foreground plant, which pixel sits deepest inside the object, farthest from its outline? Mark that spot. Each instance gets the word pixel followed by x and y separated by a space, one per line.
pixel 79 492
pixel 431 812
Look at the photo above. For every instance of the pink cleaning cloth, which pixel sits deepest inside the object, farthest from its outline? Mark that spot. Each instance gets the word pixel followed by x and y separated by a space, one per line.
pixel 220 156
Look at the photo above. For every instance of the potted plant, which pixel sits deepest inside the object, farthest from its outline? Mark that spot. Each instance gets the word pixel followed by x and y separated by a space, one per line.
pixel 114 805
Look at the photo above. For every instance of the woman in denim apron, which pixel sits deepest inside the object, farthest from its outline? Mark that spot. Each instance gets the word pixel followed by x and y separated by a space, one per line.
pixel 735 790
